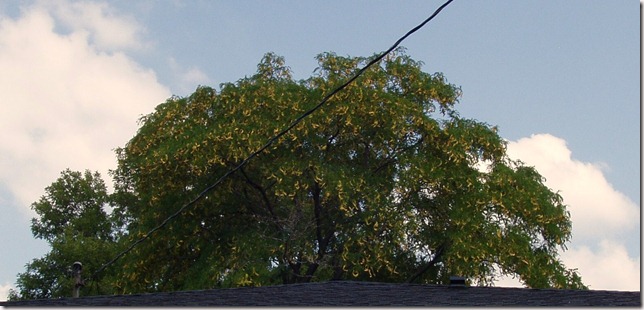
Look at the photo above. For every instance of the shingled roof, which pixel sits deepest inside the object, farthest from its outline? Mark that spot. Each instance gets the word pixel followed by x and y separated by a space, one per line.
pixel 348 293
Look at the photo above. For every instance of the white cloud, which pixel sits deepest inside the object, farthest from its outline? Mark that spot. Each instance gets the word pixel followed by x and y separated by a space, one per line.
pixel 508 281
pixel 592 201
pixel 187 79
pixel 67 102
pixel 4 291
pixel 609 268
pixel 105 29
pixel 601 215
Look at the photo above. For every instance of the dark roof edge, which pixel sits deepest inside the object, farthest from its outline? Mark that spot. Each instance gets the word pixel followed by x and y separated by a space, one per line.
pixel 352 293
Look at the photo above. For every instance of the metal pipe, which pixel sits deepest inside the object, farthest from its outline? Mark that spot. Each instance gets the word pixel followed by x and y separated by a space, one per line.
pixel 77 269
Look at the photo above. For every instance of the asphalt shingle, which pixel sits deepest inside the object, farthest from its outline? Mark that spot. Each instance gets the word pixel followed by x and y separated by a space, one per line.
pixel 349 293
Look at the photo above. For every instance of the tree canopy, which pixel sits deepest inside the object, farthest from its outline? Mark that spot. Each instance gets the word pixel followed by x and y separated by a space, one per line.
pixel 386 182
pixel 73 219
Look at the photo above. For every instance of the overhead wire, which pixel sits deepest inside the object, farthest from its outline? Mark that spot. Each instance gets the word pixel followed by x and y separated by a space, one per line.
pixel 272 140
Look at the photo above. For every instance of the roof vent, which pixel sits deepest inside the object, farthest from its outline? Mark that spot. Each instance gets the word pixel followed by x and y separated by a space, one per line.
pixel 455 281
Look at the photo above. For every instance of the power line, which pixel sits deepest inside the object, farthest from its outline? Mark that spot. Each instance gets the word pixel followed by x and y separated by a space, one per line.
pixel 268 143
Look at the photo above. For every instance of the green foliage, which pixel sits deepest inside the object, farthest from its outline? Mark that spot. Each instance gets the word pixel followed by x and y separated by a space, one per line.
pixel 75 201
pixel 72 219
pixel 386 182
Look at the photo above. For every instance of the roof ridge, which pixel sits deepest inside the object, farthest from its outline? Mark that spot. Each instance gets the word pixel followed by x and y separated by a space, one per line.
pixel 353 293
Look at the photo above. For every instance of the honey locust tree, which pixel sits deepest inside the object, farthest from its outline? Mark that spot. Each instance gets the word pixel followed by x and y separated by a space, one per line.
pixel 386 182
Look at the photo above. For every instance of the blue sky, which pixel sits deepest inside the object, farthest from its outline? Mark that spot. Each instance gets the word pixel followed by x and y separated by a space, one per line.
pixel 559 78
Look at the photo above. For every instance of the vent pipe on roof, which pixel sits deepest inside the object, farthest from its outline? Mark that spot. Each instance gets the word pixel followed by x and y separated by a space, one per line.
pixel 77 268
pixel 455 281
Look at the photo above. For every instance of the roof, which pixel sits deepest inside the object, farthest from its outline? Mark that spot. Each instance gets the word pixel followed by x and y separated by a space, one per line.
pixel 349 293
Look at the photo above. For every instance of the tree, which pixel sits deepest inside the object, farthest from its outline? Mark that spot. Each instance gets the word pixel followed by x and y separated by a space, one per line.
pixel 73 220
pixel 386 182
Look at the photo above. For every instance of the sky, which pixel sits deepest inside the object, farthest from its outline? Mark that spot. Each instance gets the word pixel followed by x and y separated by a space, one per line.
pixel 560 79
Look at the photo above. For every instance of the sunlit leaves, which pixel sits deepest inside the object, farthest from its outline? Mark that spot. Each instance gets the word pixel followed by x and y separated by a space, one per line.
pixel 386 182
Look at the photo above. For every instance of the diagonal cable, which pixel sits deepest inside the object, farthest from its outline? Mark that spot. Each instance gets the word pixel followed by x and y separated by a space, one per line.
pixel 268 143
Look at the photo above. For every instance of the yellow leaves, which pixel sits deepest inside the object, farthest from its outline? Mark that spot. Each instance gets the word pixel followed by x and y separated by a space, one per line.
pixel 282 170
pixel 469 183
pixel 227 137
pixel 391 269
pixel 368 271
pixel 195 147
pixel 209 137
pixel 540 218
pixel 274 177
pixel 343 208
pixel 163 159
pixel 341 110
pixel 245 281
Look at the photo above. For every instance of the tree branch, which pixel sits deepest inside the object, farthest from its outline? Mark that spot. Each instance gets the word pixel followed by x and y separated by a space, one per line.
pixel 394 156
pixel 317 207
pixel 267 202
pixel 437 258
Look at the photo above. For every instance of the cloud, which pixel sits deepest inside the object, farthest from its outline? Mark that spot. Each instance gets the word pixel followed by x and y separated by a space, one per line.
pixel 508 281
pixel 592 200
pixel 609 268
pixel 105 29
pixel 601 215
pixel 4 291
pixel 68 99
pixel 186 80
